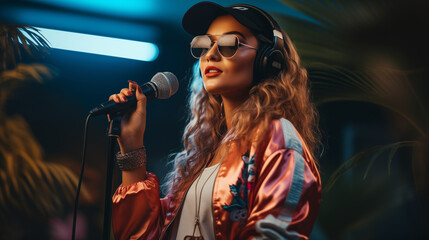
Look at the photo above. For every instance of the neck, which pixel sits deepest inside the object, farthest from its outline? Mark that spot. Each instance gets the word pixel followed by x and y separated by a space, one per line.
pixel 229 105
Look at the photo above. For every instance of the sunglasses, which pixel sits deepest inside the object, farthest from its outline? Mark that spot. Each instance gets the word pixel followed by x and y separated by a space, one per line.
pixel 227 45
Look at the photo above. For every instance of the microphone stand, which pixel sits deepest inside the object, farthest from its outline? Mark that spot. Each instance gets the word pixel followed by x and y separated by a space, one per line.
pixel 113 132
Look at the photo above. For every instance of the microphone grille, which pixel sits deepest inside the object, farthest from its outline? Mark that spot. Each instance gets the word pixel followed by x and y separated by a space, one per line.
pixel 166 83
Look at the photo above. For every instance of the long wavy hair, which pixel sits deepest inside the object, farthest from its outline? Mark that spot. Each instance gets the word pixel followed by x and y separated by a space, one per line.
pixel 285 96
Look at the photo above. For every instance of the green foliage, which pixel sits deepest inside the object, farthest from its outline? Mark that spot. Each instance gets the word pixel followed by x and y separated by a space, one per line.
pixel 371 52
pixel 28 184
pixel 11 79
pixel 346 62
pixel 11 36
pixel 368 155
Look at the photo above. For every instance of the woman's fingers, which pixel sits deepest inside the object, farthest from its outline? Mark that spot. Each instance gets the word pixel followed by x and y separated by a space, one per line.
pixel 122 96
pixel 132 89
pixel 141 98
pixel 126 92
pixel 133 123
pixel 116 98
pixel 132 85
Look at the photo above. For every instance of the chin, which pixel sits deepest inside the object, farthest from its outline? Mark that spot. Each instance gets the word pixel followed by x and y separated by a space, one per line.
pixel 213 90
pixel 218 87
pixel 212 86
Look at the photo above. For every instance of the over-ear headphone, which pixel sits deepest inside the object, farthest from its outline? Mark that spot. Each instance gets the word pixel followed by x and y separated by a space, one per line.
pixel 269 60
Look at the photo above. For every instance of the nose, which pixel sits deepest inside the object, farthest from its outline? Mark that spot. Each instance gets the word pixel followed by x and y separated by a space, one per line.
pixel 213 53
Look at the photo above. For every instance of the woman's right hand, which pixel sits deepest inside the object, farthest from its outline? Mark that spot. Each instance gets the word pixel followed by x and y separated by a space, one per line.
pixel 133 123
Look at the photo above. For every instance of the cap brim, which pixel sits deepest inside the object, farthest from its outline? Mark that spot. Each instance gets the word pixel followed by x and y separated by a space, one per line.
pixel 198 18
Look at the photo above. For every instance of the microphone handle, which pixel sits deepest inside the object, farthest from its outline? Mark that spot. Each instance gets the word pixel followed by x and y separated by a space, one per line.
pixel 111 107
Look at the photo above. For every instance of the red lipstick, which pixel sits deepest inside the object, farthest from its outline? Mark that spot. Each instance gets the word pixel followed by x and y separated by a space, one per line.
pixel 212 71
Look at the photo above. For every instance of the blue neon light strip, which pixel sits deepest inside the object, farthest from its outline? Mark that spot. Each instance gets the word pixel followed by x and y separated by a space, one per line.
pixel 115 47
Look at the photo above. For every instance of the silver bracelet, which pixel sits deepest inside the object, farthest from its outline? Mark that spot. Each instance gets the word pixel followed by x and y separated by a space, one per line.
pixel 131 160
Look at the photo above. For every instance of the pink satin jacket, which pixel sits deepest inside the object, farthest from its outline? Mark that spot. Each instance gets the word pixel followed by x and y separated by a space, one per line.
pixel 272 191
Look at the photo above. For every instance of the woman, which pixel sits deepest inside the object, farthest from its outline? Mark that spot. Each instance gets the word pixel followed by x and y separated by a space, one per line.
pixel 245 171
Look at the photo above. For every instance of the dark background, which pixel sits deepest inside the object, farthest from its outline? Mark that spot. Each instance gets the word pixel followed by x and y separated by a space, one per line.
pixel 378 207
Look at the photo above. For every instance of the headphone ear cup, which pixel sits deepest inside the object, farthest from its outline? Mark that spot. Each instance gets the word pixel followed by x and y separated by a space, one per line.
pixel 274 63
pixel 268 63
pixel 259 66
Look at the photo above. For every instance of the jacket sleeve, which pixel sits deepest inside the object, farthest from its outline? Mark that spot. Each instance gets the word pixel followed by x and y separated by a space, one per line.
pixel 285 201
pixel 137 211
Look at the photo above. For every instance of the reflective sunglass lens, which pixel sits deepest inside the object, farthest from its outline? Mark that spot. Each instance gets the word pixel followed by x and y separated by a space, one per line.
pixel 200 45
pixel 198 52
pixel 227 45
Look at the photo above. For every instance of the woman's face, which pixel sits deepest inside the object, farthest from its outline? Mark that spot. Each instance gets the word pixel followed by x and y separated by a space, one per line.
pixel 229 77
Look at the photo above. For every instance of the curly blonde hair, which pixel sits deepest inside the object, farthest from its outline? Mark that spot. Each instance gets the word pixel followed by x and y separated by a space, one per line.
pixel 285 96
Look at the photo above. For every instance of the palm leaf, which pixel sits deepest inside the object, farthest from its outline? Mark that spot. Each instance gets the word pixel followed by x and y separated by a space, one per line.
pixel 338 47
pixel 332 50
pixel 335 83
pixel 370 154
pixel 28 184
pixel 12 36
pixel 10 79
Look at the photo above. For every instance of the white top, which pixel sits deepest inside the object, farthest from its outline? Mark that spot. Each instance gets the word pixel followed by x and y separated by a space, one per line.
pixel 185 226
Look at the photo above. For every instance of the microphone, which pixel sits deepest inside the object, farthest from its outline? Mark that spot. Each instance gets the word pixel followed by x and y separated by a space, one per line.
pixel 162 85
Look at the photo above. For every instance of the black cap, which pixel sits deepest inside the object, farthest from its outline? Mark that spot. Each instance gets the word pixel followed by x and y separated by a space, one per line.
pixel 198 18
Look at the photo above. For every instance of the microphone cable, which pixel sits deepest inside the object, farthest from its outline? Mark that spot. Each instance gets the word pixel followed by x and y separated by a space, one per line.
pixel 76 201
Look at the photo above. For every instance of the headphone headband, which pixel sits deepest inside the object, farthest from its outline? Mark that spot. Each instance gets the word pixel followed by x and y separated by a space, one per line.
pixel 269 60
